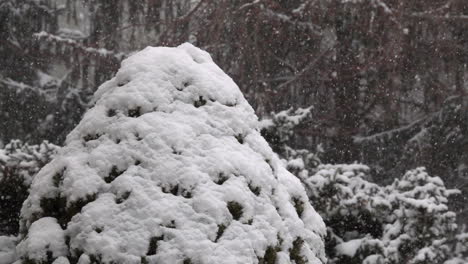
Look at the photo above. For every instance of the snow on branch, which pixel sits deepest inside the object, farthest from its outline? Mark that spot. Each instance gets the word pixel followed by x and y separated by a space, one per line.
pixel 77 46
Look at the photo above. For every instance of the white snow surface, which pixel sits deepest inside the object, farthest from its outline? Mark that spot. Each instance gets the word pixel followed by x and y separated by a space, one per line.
pixel 182 143
pixel 349 248
pixel 7 249
pixel 45 235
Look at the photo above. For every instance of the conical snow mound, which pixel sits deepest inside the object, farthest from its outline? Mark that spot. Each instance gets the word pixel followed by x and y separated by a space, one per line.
pixel 168 167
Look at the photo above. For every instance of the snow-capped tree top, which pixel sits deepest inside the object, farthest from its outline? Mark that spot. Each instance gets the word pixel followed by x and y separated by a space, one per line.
pixel 169 167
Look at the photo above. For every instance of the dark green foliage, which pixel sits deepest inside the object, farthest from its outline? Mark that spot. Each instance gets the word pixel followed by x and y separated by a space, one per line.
pixel 76 206
pixel 153 245
pixel 111 112
pixel 187 261
pixel 18 165
pixel 171 224
pixel 175 189
pixel 113 174
pixel 240 138
pixel 13 192
pixel 90 137
pixel 269 257
pixel 95 259
pixel 175 151
pixel 221 179
pixel 363 222
pixel 200 102
pixel 299 206
pixel 75 254
pixel 235 209
pixel 135 112
pixel 57 179
pixel 255 190
pixel 186 194
pixel 220 232
pixel 138 137
pixel 57 207
pixel 295 251
pixel 122 83
pixel 124 196
pixel 271 166
pixel 49 260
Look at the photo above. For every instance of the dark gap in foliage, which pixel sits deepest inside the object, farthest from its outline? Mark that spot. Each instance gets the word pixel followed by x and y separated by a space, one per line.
pixel 90 137
pixel 113 174
pixel 271 166
pixel 222 178
pixel 75 255
pixel 295 252
pixel 240 138
pixel 57 179
pixel 186 194
pixel 200 102
pixel 122 83
pixel 135 112
pixel 299 206
pixel 122 198
pixel 269 257
pixel 235 209
pixel 175 189
pixel 138 137
pixel 95 259
pixel 254 189
pixel 111 112
pixel 153 245
pixel 57 207
pixel 172 224
pixel 220 232
pixel 175 151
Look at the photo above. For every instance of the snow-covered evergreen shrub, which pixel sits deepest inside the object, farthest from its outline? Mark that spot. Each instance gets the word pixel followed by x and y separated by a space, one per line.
pixel 279 131
pixel 19 162
pixel 421 229
pixel 437 141
pixel 405 222
pixel 352 209
pixel 168 167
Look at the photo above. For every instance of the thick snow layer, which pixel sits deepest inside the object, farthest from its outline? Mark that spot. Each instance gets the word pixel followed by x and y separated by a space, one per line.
pixel 349 248
pixel 169 167
pixel 45 239
pixel 7 249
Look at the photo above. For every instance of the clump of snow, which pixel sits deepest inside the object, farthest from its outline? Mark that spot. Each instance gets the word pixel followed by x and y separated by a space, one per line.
pixel 349 248
pixel 45 241
pixel 169 167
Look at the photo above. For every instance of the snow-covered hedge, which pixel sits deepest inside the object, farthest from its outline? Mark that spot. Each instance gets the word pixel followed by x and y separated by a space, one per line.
pixel 168 167
pixel 405 222
pixel 19 162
